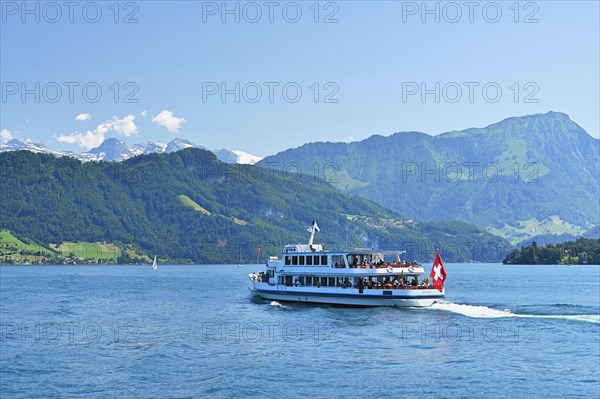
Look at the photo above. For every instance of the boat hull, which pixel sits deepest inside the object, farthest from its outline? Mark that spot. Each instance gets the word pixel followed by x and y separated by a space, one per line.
pixel 369 298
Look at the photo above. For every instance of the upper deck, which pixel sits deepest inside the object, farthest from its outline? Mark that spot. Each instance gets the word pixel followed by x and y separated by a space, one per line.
pixel 356 262
pixel 311 258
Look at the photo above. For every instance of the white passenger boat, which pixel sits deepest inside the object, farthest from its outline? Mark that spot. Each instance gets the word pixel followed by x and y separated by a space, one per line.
pixel 359 277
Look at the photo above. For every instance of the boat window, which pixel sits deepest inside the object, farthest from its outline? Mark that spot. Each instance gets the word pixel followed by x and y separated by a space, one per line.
pixel 332 281
pixel 317 258
pixel 309 280
pixel 301 259
pixel 338 261
pixel 324 260
pixel 288 281
pixel 309 259
pixel 287 260
pixel 294 260
pixel 351 260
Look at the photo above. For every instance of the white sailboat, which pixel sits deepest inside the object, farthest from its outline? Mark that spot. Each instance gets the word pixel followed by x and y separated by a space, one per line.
pixel 154 264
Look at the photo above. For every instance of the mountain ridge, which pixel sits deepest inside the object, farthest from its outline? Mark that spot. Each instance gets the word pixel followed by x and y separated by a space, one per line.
pixel 115 150
pixel 191 207
pixel 542 167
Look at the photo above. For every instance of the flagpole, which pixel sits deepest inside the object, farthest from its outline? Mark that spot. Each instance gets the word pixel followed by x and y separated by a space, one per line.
pixel 313 229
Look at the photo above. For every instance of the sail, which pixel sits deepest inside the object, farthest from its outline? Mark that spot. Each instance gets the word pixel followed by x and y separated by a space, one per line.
pixel 154 264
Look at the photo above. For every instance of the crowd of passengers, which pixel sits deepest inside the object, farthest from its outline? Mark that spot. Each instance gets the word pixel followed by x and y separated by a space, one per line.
pixel 260 277
pixel 369 264
pixel 387 283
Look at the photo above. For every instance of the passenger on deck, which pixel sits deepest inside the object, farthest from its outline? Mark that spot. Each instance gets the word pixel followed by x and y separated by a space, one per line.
pixel 396 283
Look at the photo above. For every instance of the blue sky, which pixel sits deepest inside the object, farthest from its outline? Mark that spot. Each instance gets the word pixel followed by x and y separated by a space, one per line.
pixel 377 70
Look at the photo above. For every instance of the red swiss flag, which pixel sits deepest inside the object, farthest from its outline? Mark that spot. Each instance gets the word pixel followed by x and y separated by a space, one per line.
pixel 259 250
pixel 438 272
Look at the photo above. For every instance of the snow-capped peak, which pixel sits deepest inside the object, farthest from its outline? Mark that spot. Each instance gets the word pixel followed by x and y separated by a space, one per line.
pixel 116 150
pixel 245 158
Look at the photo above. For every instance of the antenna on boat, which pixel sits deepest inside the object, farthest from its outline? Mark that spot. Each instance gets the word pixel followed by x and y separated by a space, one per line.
pixel 313 229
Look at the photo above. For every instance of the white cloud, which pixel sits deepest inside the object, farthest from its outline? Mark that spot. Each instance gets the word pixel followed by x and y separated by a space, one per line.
pixel 5 135
pixel 168 120
pixel 83 117
pixel 87 140
pixel 126 126
pixel 144 113
pixel 93 138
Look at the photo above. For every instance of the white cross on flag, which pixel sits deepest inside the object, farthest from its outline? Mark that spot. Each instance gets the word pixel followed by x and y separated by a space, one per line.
pixel 438 272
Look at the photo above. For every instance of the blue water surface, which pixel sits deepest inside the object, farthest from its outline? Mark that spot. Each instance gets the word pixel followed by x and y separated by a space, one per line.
pixel 197 332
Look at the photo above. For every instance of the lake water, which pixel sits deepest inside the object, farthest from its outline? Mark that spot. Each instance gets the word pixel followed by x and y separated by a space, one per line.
pixel 196 332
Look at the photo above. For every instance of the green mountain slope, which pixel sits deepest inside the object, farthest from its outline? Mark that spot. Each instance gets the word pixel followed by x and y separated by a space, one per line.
pixel 518 178
pixel 188 206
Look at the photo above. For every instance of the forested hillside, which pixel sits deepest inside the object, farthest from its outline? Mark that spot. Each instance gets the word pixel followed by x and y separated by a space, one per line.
pixel 580 251
pixel 187 206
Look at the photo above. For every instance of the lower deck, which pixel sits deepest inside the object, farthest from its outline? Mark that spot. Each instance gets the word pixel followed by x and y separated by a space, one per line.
pixel 349 299
pixel 411 297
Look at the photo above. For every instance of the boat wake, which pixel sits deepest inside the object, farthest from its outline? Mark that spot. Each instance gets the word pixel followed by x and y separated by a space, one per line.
pixel 279 305
pixel 478 312
pixel 484 312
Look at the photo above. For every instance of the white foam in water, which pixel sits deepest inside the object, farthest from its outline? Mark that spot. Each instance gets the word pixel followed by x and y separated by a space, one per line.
pixel 588 318
pixel 484 312
pixel 478 312
pixel 275 303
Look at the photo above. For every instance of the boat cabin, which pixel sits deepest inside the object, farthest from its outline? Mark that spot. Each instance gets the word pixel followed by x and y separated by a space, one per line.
pixel 297 255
